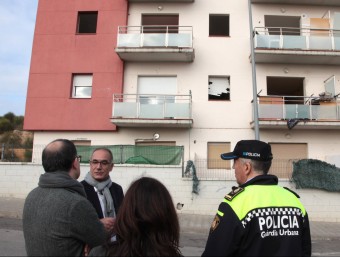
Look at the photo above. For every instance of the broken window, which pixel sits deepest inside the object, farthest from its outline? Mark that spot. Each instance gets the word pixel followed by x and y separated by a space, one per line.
pixel 87 22
pixel 219 88
pixel 219 25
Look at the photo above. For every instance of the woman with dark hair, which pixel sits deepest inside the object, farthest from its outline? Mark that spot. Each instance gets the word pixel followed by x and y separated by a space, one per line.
pixel 147 223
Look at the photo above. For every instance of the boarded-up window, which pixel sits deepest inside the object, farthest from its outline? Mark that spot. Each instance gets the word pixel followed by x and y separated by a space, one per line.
pixel 283 157
pixel 215 149
pixel 319 26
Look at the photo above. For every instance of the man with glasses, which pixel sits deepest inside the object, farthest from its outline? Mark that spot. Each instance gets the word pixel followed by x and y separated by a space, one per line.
pixel 58 220
pixel 104 194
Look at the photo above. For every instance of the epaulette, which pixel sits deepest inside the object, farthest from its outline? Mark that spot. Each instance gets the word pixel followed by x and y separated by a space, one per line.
pixel 292 192
pixel 233 193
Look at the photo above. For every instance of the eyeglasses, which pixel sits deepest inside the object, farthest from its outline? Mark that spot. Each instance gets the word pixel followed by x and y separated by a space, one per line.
pixel 78 157
pixel 102 163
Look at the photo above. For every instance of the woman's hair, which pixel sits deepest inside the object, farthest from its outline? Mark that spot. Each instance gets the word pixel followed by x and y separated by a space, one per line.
pixel 147 222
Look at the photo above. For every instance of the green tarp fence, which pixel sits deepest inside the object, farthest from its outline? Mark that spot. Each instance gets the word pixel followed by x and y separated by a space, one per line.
pixel 131 154
pixel 311 173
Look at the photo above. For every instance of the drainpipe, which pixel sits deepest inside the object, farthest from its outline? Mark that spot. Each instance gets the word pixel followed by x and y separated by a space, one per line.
pixel 256 113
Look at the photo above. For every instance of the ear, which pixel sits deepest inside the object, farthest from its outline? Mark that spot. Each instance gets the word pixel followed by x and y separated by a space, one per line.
pixel 247 168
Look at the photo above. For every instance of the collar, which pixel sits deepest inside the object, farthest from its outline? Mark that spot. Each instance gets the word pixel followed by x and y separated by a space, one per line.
pixel 262 180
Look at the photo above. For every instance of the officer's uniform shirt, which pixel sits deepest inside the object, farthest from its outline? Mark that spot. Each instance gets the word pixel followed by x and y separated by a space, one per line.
pixel 260 218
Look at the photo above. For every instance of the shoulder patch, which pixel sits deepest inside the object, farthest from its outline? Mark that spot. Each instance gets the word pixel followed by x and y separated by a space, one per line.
pixel 236 191
pixel 292 192
pixel 215 223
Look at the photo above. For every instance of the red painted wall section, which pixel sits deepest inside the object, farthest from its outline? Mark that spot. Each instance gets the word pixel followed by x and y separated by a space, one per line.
pixel 58 52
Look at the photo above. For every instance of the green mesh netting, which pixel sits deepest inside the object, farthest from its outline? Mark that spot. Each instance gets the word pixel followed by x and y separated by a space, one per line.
pixel 190 170
pixel 131 154
pixel 310 173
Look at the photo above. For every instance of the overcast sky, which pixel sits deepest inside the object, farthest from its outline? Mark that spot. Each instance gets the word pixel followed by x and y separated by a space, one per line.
pixel 17 21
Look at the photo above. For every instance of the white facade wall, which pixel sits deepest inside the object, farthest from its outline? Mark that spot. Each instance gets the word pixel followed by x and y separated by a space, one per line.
pixel 18 179
pixel 214 121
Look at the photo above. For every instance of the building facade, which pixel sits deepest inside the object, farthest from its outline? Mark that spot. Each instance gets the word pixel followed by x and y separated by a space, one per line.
pixel 183 73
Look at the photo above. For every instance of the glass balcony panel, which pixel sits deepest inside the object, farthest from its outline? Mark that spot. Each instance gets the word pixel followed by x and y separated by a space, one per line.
pixel 268 41
pixel 129 40
pixel 303 112
pixel 154 40
pixel 290 111
pixel 177 110
pixel 180 40
pixel 324 112
pixel 151 111
pixel 270 111
pixel 320 43
pixel 126 110
pixel 337 43
pixel 294 42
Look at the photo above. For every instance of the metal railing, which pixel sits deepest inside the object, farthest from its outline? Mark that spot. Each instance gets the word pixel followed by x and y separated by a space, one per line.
pixel 291 38
pixel 298 107
pixel 152 106
pixel 155 36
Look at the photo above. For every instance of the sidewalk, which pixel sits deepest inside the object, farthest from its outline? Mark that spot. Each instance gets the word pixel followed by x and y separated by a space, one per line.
pixel 12 208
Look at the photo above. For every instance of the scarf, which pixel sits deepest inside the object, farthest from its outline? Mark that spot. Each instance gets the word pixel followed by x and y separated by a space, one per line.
pixel 103 188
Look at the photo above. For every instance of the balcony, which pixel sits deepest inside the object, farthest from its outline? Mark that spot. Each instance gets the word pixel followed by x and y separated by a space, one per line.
pixel 299 2
pixel 161 1
pixel 297 45
pixel 155 43
pixel 134 110
pixel 277 112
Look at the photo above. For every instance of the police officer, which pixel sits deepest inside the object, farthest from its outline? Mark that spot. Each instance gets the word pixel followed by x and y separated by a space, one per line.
pixel 258 218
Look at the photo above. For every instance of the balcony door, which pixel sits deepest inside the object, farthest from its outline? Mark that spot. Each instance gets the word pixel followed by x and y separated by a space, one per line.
pixel 155 23
pixel 155 93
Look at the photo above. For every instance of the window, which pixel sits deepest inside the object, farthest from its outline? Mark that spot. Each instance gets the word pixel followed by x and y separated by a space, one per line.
pixel 284 154
pixel 169 19
pixel 215 149
pixel 287 86
pixel 82 86
pixel 219 25
pixel 219 88
pixel 87 22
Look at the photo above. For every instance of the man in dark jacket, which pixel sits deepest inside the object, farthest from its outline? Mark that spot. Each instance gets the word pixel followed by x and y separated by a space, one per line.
pixel 258 218
pixel 58 220
pixel 105 195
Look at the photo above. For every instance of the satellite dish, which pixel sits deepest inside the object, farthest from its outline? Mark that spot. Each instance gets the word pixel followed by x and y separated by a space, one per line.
pixel 155 136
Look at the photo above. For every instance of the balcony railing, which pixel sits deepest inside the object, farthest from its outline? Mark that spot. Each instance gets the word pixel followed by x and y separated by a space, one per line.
pixel 155 36
pixel 297 38
pixel 296 107
pixel 315 112
pixel 155 43
pixel 152 109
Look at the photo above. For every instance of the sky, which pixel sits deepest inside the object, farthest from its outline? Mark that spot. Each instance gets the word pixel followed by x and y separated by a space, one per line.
pixel 17 22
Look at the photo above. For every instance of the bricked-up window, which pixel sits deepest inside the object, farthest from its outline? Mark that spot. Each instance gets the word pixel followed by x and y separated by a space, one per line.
pixel 87 22
pixel 219 25
pixel 215 149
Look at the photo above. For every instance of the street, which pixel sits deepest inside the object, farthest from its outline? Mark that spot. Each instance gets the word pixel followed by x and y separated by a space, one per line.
pixel 191 243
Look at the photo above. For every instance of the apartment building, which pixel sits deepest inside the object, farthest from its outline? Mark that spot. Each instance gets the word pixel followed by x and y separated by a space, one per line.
pixel 183 74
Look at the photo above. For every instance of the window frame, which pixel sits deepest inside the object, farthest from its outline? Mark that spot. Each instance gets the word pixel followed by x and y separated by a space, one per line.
pixel 80 21
pixel 74 87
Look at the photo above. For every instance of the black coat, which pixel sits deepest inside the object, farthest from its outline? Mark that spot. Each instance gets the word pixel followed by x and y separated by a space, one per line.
pixel 116 192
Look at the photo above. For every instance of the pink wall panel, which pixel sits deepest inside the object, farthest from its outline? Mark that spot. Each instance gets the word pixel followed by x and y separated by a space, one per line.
pixel 58 53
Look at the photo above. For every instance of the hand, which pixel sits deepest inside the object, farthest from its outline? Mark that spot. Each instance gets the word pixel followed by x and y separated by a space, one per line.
pixel 86 250
pixel 108 224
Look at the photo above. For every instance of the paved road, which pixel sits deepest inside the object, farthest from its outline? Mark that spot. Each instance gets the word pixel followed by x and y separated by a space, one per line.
pixel 192 243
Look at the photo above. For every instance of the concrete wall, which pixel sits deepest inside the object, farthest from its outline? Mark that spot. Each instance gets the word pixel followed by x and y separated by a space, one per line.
pixel 18 179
